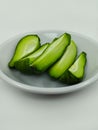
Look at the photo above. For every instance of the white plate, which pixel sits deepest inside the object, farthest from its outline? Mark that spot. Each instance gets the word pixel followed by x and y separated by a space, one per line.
pixel 43 84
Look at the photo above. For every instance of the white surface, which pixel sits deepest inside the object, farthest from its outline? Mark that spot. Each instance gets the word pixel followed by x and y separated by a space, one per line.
pixel 23 111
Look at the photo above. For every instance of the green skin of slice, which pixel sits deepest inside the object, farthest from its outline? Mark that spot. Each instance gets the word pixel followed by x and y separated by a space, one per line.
pixel 23 64
pixel 25 46
pixel 65 61
pixel 75 73
pixel 51 54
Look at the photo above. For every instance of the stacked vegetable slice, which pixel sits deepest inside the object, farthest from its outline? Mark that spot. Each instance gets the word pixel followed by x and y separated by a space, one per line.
pixel 58 58
pixel 25 46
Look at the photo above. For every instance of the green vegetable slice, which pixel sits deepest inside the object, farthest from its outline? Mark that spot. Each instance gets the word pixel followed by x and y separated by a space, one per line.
pixel 24 64
pixel 65 61
pixel 25 46
pixel 51 54
pixel 76 72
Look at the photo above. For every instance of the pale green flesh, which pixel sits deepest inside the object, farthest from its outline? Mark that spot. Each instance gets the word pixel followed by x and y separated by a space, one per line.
pixel 52 53
pixel 76 72
pixel 65 62
pixel 25 46
pixel 22 64
pixel 37 53
pixel 77 69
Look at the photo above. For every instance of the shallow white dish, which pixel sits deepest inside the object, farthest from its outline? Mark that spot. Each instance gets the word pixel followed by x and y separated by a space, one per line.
pixel 43 84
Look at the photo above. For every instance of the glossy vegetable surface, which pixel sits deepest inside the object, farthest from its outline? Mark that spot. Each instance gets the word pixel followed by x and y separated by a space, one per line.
pixel 25 46
pixel 52 53
pixel 24 64
pixel 76 72
pixel 65 61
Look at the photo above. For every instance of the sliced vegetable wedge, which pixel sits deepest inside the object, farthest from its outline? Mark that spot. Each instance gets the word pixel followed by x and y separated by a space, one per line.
pixel 25 46
pixel 65 61
pixel 51 54
pixel 76 72
pixel 24 64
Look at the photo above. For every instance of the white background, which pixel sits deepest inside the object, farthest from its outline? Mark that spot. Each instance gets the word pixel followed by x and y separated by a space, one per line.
pixel 24 111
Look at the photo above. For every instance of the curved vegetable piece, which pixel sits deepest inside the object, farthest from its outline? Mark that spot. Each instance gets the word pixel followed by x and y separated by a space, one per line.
pixel 25 46
pixel 76 72
pixel 65 61
pixel 24 64
pixel 51 54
